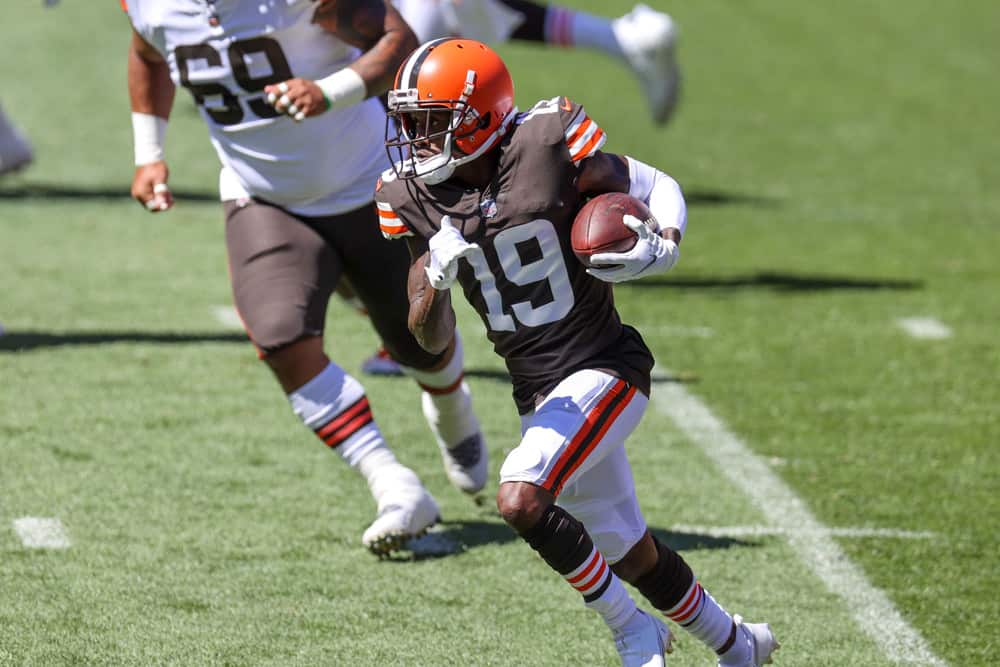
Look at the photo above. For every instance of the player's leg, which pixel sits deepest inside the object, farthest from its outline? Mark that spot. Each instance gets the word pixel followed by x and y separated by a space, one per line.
pixel 282 275
pixel 603 498
pixel 15 149
pixel 380 363
pixel 377 270
pixel 584 419
pixel 644 39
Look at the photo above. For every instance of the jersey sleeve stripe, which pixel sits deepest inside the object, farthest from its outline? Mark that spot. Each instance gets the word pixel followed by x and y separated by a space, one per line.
pixel 387 215
pixel 574 131
pixel 391 231
pixel 592 144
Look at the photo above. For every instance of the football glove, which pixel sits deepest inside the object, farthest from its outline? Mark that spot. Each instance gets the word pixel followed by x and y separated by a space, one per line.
pixel 447 246
pixel 651 254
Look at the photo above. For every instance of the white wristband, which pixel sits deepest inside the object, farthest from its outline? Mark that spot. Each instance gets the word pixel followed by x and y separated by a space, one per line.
pixel 343 88
pixel 148 134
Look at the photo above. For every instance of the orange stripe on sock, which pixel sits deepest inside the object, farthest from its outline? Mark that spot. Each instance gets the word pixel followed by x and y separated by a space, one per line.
pixel 439 391
pixel 347 415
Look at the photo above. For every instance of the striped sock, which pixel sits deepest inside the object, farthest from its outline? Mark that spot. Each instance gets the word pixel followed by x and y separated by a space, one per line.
pixel 564 544
pixel 333 404
pixel 701 615
pixel 568 27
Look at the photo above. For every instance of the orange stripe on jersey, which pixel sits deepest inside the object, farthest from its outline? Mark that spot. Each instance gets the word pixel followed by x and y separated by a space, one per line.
pixel 387 214
pixel 595 426
pixel 391 231
pixel 579 131
pixel 595 142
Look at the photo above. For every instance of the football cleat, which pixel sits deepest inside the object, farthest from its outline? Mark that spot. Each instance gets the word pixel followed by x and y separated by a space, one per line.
pixel 381 363
pixel 644 641
pixel 465 459
pixel 404 512
pixel 648 39
pixel 759 639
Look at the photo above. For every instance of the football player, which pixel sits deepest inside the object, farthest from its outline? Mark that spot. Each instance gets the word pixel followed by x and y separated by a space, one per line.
pixel 486 196
pixel 15 149
pixel 286 91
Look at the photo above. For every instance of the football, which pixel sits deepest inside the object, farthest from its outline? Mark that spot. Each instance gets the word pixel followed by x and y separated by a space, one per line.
pixel 598 226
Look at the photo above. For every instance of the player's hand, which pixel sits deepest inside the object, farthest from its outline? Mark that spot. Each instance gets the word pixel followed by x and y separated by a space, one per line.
pixel 650 255
pixel 297 98
pixel 447 246
pixel 149 187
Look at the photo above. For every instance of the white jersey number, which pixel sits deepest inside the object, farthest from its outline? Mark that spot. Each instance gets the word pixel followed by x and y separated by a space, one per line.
pixel 219 102
pixel 549 267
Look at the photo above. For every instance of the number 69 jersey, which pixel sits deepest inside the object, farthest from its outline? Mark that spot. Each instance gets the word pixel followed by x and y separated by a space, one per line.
pixel 224 53
pixel 544 314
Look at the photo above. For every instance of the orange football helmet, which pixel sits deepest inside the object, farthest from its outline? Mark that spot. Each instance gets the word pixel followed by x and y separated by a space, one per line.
pixel 452 101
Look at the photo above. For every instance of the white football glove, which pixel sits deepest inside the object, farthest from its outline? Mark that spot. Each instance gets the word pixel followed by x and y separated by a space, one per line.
pixel 651 254
pixel 447 246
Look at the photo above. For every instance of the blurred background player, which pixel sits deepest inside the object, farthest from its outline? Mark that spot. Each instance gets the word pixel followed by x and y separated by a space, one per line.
pixel 486 197
pixel 644 40
pixel 15 149
pixel 286 91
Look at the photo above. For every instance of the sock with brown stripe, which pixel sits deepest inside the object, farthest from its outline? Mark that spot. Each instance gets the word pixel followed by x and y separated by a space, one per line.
pixel 672 588
pixel 564 544
pixel 333 404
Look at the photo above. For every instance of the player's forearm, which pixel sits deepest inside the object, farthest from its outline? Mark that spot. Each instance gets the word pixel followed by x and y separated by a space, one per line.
pixel 431 319
pixel 149 86
pixel 376 27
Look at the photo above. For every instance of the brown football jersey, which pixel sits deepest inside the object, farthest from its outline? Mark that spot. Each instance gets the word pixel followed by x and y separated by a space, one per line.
pixel 543 313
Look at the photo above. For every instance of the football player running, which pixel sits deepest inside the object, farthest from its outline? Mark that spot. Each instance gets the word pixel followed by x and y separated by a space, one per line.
pixel 286 91
pixel 485 197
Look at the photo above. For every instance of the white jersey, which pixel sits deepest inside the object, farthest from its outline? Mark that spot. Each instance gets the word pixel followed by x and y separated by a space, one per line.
pixel 326 164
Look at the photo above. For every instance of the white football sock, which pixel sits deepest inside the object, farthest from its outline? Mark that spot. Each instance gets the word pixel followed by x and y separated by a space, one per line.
pixel 701 615
pixel 333 404
pixel 569 27
pixel 602 590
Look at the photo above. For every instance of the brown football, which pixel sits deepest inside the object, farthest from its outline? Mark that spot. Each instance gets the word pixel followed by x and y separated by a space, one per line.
pixel 598 226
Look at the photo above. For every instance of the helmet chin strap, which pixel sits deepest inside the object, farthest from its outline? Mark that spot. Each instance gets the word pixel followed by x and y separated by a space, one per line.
pixel 441 167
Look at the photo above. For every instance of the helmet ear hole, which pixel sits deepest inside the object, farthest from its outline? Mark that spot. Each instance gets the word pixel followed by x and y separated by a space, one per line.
pixel 484 120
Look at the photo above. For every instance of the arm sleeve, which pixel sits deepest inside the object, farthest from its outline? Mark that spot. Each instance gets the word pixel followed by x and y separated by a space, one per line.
pixel 660 192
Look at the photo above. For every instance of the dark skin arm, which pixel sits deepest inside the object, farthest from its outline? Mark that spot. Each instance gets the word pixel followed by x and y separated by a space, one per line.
pixel 431 319
pixel 150 91
pixel 608 172
pixel 372 25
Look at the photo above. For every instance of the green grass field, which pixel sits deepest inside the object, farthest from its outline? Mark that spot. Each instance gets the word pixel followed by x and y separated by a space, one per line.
pixel 841 162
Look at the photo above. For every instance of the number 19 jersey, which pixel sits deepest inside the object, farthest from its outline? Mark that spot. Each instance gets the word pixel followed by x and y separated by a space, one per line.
pixel 544 314
pixel 224 53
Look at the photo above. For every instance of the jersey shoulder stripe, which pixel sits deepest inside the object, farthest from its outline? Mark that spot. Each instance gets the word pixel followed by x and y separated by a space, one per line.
pixel 584 137
pixel 390 224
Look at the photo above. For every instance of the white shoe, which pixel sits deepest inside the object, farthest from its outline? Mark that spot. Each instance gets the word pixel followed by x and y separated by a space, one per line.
pixel 648 38
pixel 404 512
pixel 760 640
pixel 466 462
pixel 644 641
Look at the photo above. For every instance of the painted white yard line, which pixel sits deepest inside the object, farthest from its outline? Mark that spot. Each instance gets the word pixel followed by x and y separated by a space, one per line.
pixel 928 328
pixel 41 533
pixel 782 507
pixel 766 531
pixel 227 316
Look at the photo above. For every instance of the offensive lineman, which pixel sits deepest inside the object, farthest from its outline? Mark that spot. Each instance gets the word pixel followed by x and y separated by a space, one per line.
pixel 286 91
pixel 474 180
